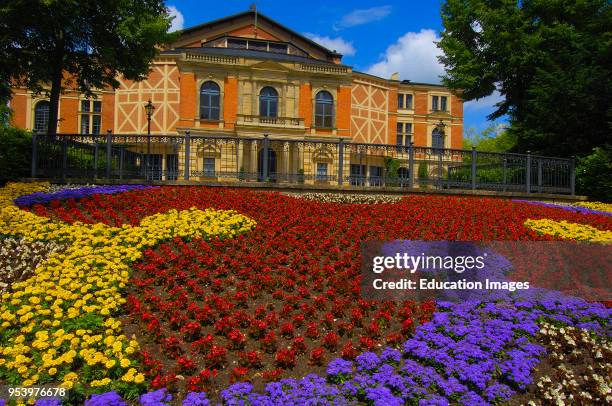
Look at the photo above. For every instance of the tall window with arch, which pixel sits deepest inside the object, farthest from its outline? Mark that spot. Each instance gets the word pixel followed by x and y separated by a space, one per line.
pixel 210 95
pixel 268 102
pixel 437 138
pixel 324 109
pixel 41 116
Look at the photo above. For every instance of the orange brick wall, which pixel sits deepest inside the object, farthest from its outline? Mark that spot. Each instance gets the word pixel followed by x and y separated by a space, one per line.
pixel 420 103
pixel 343 113
pixel 69 114
pixel 19 106
pixel 230 101
pixel 108 112
pixel 305 106
pixel 457 136
pixel 188 99
pixel 420 134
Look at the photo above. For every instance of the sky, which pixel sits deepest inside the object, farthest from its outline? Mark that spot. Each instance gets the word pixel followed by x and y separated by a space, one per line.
pixel 377 37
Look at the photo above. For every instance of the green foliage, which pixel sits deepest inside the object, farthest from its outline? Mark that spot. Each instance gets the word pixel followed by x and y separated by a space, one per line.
pixel 15 154
pixel 422 171
pixel 392 166
pixel 91 43
pixel 548 59
pixel 489 140
pixel 594 174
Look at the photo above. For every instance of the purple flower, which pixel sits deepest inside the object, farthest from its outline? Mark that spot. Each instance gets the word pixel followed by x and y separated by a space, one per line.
pixel 48 402
pixel 339 366
pixel 42 197
pixel 105 399
pixel 368 361
pixel 196 399
pixel 160 397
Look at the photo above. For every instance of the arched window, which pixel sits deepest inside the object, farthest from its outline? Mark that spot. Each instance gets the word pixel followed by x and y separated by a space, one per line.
pixel 437 138
pixel 268 102
pixel 209 101
pixel 41 116
pixel 324 110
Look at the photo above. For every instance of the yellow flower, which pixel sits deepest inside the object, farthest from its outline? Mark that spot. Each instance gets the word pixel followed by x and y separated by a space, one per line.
pixel 110 364
pixel 52 371
pixel 124 363
pixel 139 378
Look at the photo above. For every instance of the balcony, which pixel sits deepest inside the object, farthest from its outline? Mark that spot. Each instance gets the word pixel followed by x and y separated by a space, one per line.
pixel 261 121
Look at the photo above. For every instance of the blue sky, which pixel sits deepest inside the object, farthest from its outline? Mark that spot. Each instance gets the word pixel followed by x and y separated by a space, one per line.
pixel 378 37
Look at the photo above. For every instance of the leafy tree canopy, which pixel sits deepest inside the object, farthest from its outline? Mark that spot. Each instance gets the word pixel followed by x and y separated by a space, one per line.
pixel 492 139
pixel 51 44
pixel 550 60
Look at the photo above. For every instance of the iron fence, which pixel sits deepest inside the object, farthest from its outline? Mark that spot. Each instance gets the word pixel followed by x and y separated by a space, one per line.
pixel 340 162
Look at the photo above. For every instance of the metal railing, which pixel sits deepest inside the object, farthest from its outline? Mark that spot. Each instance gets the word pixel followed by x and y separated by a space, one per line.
pixel 276 160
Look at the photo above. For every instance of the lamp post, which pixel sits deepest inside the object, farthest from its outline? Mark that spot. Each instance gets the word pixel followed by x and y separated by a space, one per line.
pixel 149 110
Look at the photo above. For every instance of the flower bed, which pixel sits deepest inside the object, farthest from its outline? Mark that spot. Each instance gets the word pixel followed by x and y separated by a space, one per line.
pixel 73 193
pixel 276 303
pixel 60 325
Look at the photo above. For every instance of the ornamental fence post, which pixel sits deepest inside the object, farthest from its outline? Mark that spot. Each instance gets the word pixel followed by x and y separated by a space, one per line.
pixel 64 158
pixel 440 182
pixel 539 175
pixel 505 173
pixel 34 152
pixel 340 161
pixel 109 152
pixel 187 152
pixel 266 147
pixel 411 165
pixel 528 173
pixel 573 176
pixel 95 171
pixel 474 167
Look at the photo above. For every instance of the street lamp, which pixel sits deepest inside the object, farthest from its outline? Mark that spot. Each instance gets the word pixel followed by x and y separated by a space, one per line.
pixel 149 110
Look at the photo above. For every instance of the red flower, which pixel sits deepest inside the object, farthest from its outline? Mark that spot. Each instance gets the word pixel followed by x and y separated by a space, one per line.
pixel 285 358
pixel 317 356
pixel 216 356
pixel 239 374
pixel 349 352
pixel 330 341
pixel 237 339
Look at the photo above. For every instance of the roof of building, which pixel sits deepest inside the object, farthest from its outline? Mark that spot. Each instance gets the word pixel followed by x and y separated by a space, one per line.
pixel 263 17
pixel 247 53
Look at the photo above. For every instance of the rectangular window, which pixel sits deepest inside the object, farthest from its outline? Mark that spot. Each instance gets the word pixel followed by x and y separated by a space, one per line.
pixel 321 171
pixel 172 166
pixel 400 101
pixel 357 174
pixel 236 43
pixel 443 103
pixel 376 175
pixel 434 103
pixel 408 102
pixel 404 133
pixel 209 167
pixel 278 48
pixel 91 116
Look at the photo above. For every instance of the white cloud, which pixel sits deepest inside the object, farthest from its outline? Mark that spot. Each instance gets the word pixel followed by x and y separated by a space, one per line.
pixel 414 56
pixel 363 16
pixel 178 21
pixel 337 44
pixel 485 103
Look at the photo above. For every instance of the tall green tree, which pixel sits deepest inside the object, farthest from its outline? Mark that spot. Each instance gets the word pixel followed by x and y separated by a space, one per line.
pixel 549 59
pixel 47 45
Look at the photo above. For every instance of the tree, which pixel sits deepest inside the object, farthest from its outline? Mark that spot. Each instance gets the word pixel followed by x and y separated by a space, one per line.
pixel 53 44
pixel 492 139
pixel 548 59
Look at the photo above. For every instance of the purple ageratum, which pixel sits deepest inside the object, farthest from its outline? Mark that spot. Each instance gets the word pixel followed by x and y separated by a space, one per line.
pixel 160 397
pixel 339 366
pixel 42 198
pixel 196 399
pixel 105 399
pixel 368 361
pixel 575 209
pixel 48 402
